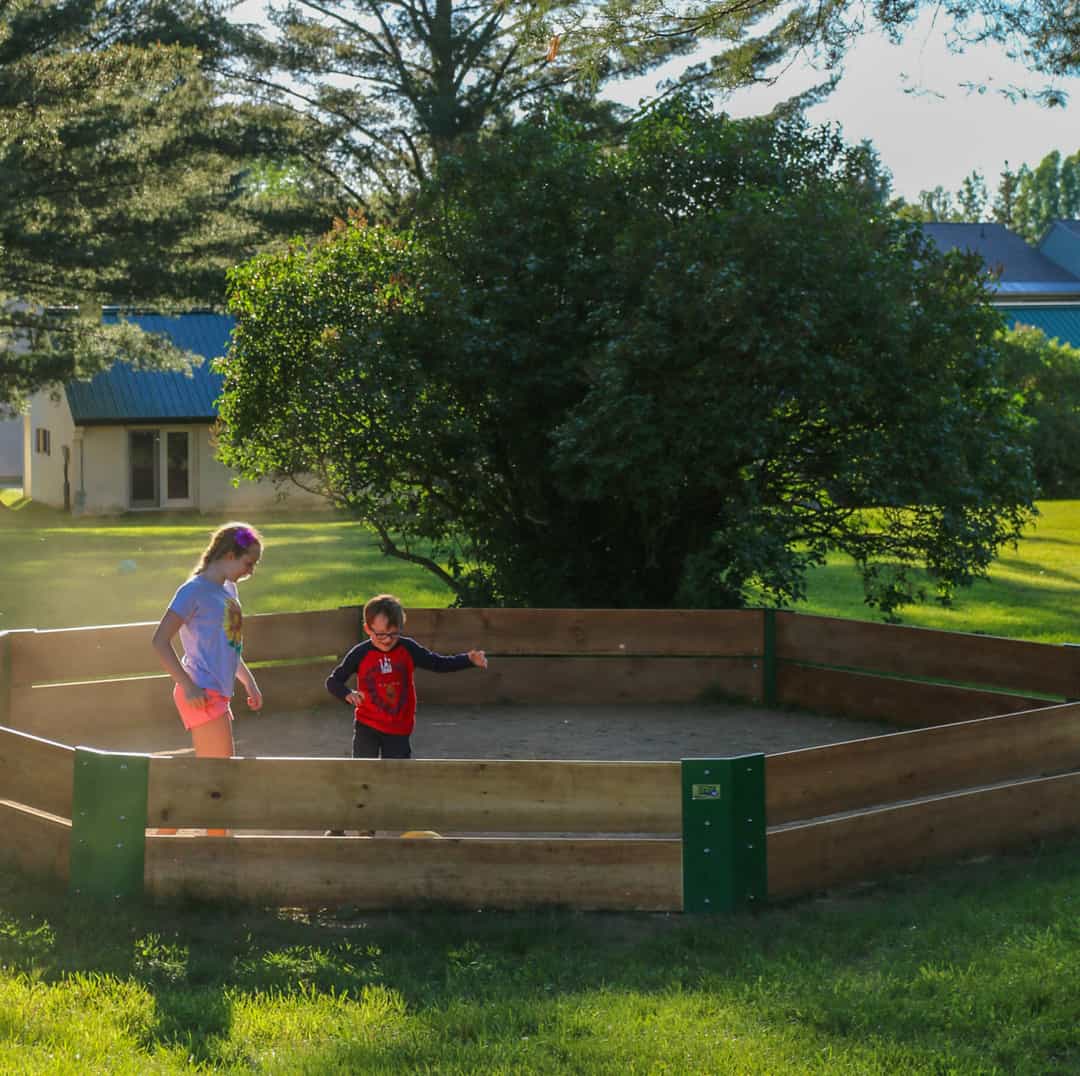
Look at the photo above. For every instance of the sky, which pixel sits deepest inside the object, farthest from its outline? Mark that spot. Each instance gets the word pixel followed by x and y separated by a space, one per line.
pixel 942 133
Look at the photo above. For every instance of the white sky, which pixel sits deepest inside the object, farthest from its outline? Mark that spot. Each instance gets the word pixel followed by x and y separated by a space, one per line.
pixel 940 136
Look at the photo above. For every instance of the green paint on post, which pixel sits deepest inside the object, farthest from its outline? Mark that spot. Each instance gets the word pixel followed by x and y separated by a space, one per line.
pixel 768 660
pixel 108 824
pixel 723 839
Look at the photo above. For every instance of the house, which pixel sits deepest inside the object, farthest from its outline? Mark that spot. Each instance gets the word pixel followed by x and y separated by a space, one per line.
pixel 11 451
pixel 1038 285
pixel 131 440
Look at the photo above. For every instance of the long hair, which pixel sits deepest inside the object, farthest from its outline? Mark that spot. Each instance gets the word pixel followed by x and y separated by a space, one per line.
pixel 235 538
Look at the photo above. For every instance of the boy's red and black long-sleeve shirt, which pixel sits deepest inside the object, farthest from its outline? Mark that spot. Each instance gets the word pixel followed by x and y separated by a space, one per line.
pixel 386 679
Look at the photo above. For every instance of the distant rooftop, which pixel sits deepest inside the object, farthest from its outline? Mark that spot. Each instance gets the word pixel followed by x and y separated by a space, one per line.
pixel 1005 253
pixel 122 394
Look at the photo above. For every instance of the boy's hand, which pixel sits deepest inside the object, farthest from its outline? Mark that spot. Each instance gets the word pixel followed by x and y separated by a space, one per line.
pixel 254 699
pixel 355 698
pixel 478 658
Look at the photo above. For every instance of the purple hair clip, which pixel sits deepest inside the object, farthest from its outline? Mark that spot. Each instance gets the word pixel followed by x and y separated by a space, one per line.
pixel 244 536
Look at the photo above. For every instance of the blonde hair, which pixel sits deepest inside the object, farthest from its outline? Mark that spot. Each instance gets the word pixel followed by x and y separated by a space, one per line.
pixel 235 538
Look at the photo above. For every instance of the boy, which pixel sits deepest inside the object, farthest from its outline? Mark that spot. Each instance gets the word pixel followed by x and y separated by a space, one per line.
pixel 384 699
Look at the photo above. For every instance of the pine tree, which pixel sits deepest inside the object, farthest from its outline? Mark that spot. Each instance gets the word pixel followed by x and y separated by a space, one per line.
pixel 122 180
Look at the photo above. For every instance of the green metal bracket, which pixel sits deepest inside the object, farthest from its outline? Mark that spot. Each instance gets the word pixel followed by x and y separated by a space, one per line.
pixel 768 660
pixel 723 838
pixel 108 824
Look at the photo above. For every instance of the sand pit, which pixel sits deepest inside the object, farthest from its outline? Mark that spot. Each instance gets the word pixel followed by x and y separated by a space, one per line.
pixel 634 733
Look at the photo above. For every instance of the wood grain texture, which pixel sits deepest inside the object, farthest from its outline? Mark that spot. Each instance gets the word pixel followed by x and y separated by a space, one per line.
pixel 462 796
pixel 36 772
pixel 872 844
pixel 391 873
pixel 986 660
pixel 885 769
pixel 905 703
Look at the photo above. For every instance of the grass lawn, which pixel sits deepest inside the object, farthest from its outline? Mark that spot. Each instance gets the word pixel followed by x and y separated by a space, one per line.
pixel 56 571
pixel 60 572
pixel 967 970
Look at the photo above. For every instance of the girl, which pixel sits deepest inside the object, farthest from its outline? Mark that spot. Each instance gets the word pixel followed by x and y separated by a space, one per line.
pixel 205 611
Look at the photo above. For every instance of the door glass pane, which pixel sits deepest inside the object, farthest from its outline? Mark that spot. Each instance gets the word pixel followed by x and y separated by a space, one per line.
pixel 144 469
pixel 176 454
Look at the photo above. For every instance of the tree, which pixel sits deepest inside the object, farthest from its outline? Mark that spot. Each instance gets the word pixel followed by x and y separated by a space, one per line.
pixel 639 377
pixel 382 88
pixel 1004 207
pixel 1046 192
pixel 122 180
pixel 1047 375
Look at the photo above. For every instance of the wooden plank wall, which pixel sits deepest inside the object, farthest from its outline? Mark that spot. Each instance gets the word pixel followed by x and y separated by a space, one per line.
pixel 35 841
pixel 870 844
pixel 392 794
pixel 640 872
pixel 58 688
pixel 906 703
pixel 603 875
pixel 989 661
pixel 885 769
pixel 35 772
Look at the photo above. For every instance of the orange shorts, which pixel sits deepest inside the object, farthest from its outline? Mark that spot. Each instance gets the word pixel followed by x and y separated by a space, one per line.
pixel 217 705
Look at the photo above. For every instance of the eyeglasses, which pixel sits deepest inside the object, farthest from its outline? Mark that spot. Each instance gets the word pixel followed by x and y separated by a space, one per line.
pixel 384 635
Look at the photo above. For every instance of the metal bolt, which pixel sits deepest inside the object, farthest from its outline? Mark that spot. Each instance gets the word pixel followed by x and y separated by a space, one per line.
pixel 119 844
pixel 749 846
pixel 707 772
pixel 123 818
pixel 708 823
pixel 123 766
pixel 708 901
pixel 708 850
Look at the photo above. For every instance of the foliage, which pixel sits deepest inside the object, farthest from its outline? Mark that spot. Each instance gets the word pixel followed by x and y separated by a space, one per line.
pixel 1047 373
pixel 382 88
pixel 641 377
pixel 121 181
pixel 1026 201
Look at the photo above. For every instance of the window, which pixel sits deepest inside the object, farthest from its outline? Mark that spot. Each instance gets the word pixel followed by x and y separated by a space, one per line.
pixel 42 441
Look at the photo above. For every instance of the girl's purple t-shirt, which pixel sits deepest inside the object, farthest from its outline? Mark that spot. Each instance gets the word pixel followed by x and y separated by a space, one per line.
pixel 212 632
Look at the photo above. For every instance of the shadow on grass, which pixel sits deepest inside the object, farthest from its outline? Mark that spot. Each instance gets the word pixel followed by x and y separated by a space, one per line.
pixel 889 962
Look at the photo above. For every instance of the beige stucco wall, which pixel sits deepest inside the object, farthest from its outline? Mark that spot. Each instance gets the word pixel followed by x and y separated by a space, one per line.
pixel 100 470
pixel 43 476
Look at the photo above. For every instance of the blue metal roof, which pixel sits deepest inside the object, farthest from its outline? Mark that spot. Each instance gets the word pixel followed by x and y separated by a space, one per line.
pixel 1005 253
pixel 122 394
pixel 1058 321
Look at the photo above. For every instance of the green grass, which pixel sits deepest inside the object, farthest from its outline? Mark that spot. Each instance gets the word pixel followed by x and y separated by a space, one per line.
pixel 58 572
pixel 967 970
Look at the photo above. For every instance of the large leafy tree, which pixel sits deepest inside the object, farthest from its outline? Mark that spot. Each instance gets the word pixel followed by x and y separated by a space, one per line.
pixel 679 372
pixel 123 179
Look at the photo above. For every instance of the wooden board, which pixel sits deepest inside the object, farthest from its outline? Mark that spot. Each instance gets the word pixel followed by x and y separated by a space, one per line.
pixel 884 769
pixel 718 633
pixel 35 841
pixel 906 703
pixel 99 713
pixel 74 654
pixel 286 636
pixel 872 844
pixel 94 714
pixel 36 772
pixel 595 680
pixel 462 796
pixel 964 658
pixel 610 875
pixel 5 677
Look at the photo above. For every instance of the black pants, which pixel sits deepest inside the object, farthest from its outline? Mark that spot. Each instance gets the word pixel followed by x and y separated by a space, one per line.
pixel 371 743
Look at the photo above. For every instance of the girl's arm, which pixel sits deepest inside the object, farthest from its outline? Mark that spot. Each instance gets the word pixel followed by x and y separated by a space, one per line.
pixel 254 695
pixel 162 644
